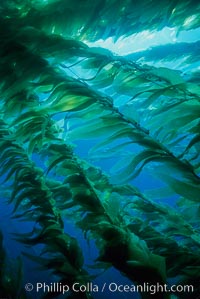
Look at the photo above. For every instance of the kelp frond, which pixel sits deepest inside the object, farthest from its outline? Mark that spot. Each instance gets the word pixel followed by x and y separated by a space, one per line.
pixel 31 195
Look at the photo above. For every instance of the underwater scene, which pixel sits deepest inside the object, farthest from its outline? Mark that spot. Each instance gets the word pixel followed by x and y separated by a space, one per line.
pixel 99 149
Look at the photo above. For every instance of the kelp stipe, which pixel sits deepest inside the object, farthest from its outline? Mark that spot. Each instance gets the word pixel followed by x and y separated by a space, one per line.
pixel 55 90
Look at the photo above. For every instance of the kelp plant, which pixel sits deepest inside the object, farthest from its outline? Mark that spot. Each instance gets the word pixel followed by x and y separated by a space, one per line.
pixel 140 117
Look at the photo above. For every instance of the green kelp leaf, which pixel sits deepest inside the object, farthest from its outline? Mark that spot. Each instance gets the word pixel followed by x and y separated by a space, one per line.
pixel 13 167
pixel 139 251
pixel 39 237
pixel 40 260
pixel 177 141
pixel 128 74
pixel 98 51
pixel 55 162
pixel 190 108
pixel 163 112
pixel 28 117
pixel 194 88
pixel 87 202
pixel 184 117
pixel 185 189
pixel 123 163
pixel 146 98
pixel 43 87
pixel 106 70
pixel 96 128
pixel 168 91
pixel 131 85
pixel 164 218
pixel 75 180
pixel 68 103
pixel 195 238
pixel 19 188
pixel 66 168
pixel 58 152
pixel 50 45
pixel 126 190
pixel 35 142
pixel 11 170
pixel 61 89
pixel 195 140
pixel 137 98
pixel 156 263
pixel 61 191
pixel 22 197
pixel 70 87
pixel 113 207
pixel 190 210
pixel 169 75
pixel 123 133
pixel 132 170
pixel 159 193
pixel 89 113
pixel 105 77
pixel 148 142
pixel 97 178
pixel 183 122
pixel 93 64
pixel 67 245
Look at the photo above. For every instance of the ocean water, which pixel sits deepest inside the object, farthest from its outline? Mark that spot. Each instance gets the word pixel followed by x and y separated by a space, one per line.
pixel 99 149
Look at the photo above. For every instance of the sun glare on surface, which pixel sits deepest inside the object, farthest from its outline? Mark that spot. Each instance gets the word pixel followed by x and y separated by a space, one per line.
pixel 146 39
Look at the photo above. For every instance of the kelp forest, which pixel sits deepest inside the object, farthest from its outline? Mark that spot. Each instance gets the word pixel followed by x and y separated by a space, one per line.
pixel 98 151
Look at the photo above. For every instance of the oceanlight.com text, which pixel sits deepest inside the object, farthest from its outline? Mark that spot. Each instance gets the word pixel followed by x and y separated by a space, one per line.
pixel 112 287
